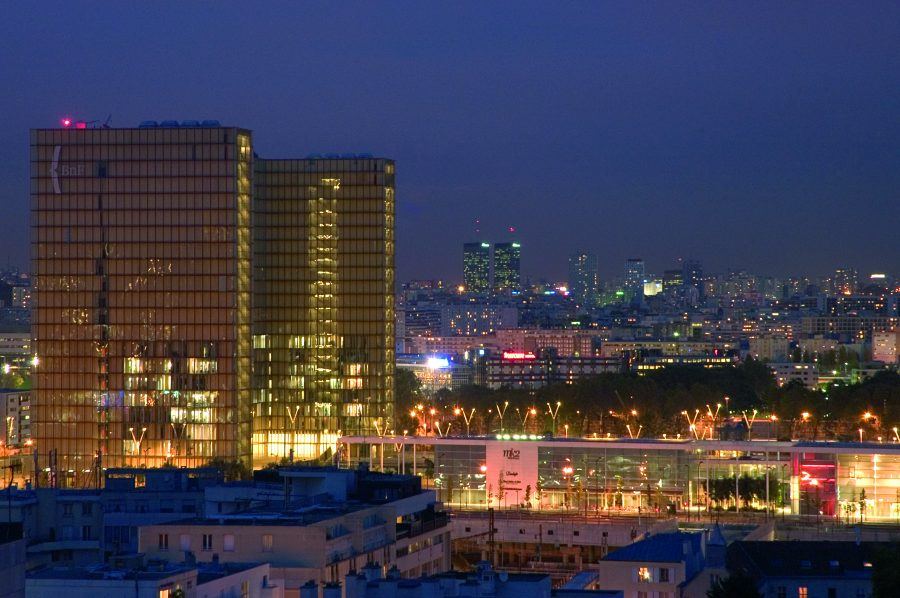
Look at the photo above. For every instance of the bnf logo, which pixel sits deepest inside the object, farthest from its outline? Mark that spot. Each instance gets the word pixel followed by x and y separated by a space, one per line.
pixel 56 170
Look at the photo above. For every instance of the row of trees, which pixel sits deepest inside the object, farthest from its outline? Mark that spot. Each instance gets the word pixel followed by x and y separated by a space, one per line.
pixel 654 404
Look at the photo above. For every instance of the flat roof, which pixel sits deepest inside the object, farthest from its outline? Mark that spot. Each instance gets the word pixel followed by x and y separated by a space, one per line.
pixel 680 444
pixel 106 572
pixel 297 517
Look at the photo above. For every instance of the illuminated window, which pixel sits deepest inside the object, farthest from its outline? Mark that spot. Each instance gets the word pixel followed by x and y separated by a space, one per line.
pixel 644 574
pixel 267 544
pixel 802 592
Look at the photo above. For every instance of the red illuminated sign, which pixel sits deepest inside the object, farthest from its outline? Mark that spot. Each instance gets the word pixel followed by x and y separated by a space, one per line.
pixel 518 356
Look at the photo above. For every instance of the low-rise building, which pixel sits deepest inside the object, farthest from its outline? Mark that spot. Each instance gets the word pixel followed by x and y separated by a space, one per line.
pixel 885 347
pixel 526 369
pixel 483 581
pixel 133 497
pixel 80 527
pixel 15 411
pixel 436 372
pixel 329 523
pixel 770 348
pixel 153 579
pixel 12 561
pixel 666 565
pixel 787 372
pixel 806 568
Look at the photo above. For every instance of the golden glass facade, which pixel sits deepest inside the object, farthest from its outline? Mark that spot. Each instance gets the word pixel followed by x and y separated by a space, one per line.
pixel 193 301
pixel 140 239
pixel 323 279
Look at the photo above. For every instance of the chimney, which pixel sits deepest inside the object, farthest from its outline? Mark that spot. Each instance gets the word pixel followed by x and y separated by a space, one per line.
pixel 372 571
pixel 309 590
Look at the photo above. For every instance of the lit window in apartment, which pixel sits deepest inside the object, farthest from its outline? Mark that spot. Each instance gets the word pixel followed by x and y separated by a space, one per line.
pixel 644 574
pixel 267 543
pixel 802 592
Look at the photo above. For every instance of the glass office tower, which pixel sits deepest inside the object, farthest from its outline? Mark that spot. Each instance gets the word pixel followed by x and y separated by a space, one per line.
pixel 323 279
pixel 584 279
pixel 477 267
pixel 185 311
pixel 141 252
pixel 507 257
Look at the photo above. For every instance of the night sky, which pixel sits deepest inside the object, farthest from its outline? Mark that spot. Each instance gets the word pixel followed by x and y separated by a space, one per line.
pixel 746 135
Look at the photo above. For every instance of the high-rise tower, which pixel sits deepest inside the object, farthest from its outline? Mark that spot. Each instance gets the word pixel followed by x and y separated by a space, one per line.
pixel 584 279
pixel 323 286
pixel 634 276
pixel 507 257
pixel 141 258
pixel 477 267
pixel 193 301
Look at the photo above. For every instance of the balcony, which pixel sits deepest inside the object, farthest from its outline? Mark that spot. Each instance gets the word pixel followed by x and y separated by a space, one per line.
pixel 416 528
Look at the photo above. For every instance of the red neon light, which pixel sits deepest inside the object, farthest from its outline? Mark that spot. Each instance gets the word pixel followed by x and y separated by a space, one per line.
pixel 518 355
pixel 67 122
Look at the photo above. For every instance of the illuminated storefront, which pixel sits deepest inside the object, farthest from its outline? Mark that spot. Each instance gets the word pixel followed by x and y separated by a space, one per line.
pixel 624 475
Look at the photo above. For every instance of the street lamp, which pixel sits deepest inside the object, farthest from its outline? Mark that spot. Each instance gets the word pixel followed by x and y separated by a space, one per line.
pixel 467 417
pixel 567 473
pixel 692 422
pixel 553 413
pixel 699 465
pixel 530 411
pixel 501 413
pixel 714 417
pixel 749 421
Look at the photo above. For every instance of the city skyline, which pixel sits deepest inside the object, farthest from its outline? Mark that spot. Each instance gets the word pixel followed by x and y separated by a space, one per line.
pixel 742 137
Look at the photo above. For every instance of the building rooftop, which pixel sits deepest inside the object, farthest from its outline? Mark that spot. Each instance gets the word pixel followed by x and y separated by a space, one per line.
pixel 108 572
pixel 794 558
pixel 660 548
pixel 150 571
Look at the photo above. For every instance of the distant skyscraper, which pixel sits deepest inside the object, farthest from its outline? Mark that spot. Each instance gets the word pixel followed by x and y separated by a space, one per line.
pixel 845 281
pixel 584 279
pixel 692 275
pixel 672 279
pixel 477 267
pixel 194 301
pixel 634 275
pixel 507 276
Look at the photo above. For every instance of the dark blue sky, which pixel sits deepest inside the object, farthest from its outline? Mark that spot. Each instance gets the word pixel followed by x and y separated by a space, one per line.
pixel 747 135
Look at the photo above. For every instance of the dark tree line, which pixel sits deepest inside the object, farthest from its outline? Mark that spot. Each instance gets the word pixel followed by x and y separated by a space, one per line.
pixel 654 404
